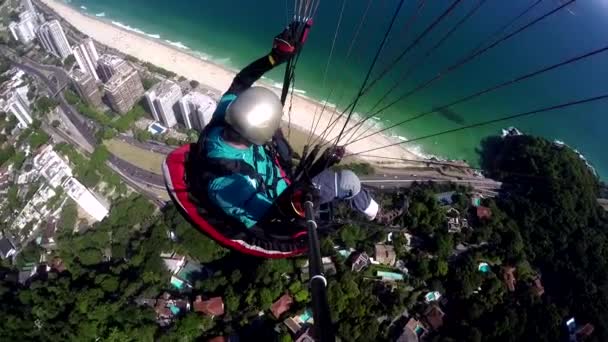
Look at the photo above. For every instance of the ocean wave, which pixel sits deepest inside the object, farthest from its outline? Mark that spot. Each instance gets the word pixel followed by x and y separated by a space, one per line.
pixel 328 104
pixel 202 55
pixel 83 7
pixel 223 61
pixel 101 14
pixel 178 45
pixel 136 30
pixel 279 85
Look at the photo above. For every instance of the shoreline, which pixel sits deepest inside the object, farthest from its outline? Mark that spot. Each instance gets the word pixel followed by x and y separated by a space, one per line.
pixel 187 63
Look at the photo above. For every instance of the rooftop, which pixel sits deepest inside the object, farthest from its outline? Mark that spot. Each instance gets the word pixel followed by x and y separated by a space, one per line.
pixel 111 60
pixel 164 88
pixel 484 212
pixel 434 317
pixel 385 254
pixel 509 277
pixel 211 307
pixel 80 76
pixel 281 305
pixel 119 78
pixel 6 248
pixel 292 325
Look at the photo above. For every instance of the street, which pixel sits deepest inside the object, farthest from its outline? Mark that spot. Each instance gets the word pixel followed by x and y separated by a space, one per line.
pixel 86 139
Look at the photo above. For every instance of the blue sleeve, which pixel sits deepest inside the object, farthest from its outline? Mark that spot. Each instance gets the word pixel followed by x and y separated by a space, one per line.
pixel 237 197
pixel 222 106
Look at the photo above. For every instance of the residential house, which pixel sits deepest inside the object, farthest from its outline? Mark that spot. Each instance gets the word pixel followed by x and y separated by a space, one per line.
pixel 508 276
pixel 305 337
pixel 537 287
pixel 6 180
pixel 167 309
pixel 484 213
pixel 385 254
pixel 27 272
pixel 7 249
pixel 433 316
pixel 584 332
pixel 184 272
pixel 455 222
pixel 281 305
pixel 57 265
pixel 212 307
pixel 174 263
pixel 329 268
pixel 292 325
pixel 432 297
pixel 413 332
pixel 360 262
pixel 47 239
pixel 400 265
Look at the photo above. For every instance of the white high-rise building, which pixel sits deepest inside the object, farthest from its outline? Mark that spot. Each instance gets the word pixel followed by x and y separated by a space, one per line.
pixel 124 89
pixel 53 39
pixel 24 30
pixel 16 105
pixel 86 56
pixel 29 6
pixel 58 173
pixel 196 110
pixel 110 65
pixel 162 99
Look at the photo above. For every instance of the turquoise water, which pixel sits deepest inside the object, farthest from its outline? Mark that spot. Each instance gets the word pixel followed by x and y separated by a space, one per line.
pixel 234 32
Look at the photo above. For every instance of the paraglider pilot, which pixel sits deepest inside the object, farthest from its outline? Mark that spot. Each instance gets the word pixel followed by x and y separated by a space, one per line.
pixel 243 163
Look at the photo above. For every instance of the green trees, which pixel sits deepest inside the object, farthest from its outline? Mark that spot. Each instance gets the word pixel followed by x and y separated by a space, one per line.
pixel 69 61
pixel 38 138
pixel 148 82
pixel 45 104
pixel 547 215
pixel 71 97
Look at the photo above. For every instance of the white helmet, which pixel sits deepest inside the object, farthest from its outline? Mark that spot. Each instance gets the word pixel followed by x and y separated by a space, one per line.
pixel 255 114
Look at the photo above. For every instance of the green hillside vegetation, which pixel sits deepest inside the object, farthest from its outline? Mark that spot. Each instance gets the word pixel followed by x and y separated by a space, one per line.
pixel 546 221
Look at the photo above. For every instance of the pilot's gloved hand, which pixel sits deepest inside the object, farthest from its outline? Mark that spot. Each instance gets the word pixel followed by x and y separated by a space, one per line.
pixel 290 41
pixel 302 193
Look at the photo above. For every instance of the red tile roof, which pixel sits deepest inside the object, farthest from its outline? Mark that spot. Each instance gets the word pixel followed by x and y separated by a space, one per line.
pixel 585 331
pixel 218 339
pixel 434 317
pixel 211 307
pixel 538 287
pixel 509 277
pixel 484 212
pixel 281 305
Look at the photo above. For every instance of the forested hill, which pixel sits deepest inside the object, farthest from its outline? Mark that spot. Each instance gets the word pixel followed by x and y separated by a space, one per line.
pixel 546 223
pixel 551 195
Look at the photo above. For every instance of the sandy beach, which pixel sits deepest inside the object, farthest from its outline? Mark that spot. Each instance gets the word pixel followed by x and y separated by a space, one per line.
pixel 207 73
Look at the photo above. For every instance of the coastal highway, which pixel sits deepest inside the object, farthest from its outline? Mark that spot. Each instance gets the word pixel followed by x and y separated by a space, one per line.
pixel 152 147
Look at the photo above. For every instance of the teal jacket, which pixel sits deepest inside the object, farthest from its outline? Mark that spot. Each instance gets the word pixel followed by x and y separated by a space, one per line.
pixel 237 195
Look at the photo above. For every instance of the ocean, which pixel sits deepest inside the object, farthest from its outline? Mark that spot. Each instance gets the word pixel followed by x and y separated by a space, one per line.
pixel 235 32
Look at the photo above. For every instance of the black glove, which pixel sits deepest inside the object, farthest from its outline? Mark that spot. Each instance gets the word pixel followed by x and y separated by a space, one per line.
pixel 302 193
pixel 290 41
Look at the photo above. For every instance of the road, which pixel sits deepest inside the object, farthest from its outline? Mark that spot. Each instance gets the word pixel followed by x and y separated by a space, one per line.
pixel 152 147
pixel 391 179
pixel 86 129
